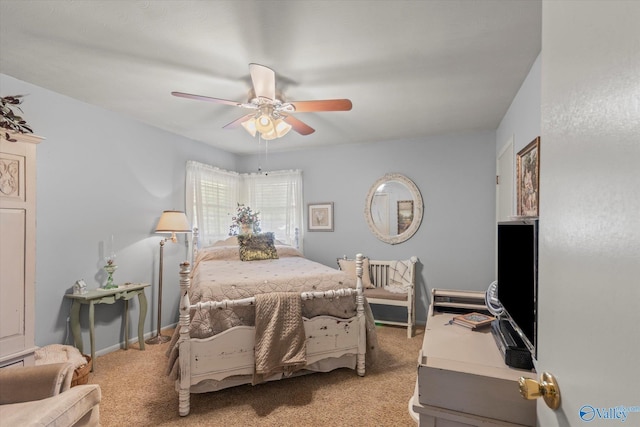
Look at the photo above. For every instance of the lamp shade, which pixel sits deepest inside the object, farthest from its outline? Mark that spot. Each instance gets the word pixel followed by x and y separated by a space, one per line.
pixel 264 124
pixel 282 128
pixel 250 126
pixel 173 222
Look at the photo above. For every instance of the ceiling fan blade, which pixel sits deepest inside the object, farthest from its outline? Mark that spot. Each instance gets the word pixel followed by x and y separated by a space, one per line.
pixel 207 98
pixel 237 122
pixel 300 127
pixel 264 81
pixel 322 105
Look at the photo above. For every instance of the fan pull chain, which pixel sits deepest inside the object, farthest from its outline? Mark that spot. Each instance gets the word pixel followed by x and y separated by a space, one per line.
pixel 266 155
pixel 259 154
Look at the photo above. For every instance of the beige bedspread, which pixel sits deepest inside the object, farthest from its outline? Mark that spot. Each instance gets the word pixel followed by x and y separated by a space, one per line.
pixel 219 274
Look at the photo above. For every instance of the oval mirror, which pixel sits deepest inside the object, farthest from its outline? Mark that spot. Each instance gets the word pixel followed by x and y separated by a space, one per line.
pixel 393 209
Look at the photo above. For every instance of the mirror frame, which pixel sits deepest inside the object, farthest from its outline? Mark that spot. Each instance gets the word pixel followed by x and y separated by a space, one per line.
pixel 417 206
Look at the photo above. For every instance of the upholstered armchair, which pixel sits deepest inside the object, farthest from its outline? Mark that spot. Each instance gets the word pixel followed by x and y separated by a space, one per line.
pixel 42 395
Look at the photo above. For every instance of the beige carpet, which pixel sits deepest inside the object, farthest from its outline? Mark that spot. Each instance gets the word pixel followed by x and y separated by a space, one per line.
pixel 136 393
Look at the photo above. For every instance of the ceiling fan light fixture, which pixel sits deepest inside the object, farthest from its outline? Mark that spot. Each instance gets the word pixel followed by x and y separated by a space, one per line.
pixel 264 123
pixel 268 136
pixel 250 126
pixel 269 127
pixel 282 128
pixel 270 116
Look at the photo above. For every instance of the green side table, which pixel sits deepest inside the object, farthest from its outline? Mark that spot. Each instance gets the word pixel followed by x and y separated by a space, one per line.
pixel 108 296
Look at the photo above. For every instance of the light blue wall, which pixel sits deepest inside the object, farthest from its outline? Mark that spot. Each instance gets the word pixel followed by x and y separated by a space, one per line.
pixel 455 175
pixel 100 173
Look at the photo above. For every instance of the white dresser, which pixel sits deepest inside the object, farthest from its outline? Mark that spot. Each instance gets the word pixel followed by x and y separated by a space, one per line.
pixel 463 380
pixel 17 249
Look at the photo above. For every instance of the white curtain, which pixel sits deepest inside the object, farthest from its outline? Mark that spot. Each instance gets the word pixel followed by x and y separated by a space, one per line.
pixel 277 195
pixel 212 196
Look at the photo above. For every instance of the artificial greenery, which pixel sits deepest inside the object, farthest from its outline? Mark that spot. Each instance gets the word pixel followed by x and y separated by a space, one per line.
pixel 10 121
pixel 244 216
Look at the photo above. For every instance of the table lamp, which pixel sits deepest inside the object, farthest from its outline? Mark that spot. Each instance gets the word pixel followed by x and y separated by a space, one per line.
pixel 170 222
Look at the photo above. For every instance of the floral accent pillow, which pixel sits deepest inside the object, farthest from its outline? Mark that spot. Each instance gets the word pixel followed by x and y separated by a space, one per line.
pixel 255 247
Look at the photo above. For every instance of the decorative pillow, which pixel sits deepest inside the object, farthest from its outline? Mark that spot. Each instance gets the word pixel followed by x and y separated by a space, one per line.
pixel 254 247
pixel 230 241
pixel 349 267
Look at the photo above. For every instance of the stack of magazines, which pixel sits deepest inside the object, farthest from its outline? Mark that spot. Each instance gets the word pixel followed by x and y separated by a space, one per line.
pixel 473 320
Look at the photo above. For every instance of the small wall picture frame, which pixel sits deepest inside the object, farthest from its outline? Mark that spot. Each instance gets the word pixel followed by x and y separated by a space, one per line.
pixel 320 216
pixel 528 179
pixel 405 215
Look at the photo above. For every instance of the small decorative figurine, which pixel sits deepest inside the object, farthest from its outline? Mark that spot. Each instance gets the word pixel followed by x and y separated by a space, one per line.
pixel 80 287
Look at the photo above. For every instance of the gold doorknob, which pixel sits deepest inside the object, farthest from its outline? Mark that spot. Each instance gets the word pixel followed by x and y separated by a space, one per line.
pixel 547 388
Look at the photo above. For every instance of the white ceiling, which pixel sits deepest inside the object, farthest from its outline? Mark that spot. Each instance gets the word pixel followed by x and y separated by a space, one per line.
pixel 411 68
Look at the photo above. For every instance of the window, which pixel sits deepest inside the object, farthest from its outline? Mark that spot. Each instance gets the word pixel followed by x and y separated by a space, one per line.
pixel 213 194
pixel 278 197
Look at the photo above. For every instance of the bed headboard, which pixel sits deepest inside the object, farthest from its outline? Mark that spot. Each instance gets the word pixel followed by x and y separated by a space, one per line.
pixel 195 245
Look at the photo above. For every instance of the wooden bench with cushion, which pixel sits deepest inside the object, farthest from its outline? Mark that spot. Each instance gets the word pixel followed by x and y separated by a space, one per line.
pixel 388 283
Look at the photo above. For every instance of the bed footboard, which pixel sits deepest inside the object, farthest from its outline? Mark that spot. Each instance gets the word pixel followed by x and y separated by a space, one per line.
pixel 230 353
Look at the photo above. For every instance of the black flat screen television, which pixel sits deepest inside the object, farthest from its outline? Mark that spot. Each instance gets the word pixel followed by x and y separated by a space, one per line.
pixel 518 276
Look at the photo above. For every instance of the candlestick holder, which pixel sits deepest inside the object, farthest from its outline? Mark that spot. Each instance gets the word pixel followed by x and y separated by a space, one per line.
pixel 110 268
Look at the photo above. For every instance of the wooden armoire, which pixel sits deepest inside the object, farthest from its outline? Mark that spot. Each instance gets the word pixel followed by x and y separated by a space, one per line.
pixel 17 249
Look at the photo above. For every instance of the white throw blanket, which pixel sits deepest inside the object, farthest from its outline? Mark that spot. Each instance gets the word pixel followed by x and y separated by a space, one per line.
pixel 399 277
pixel 59 353
pixel 280 339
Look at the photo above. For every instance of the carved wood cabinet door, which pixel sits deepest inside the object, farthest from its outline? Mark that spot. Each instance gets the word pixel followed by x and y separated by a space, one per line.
pixel 17 250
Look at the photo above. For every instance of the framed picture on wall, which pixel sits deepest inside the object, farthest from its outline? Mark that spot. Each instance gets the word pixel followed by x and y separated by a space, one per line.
pixel 320 217
pixel 528 179
pixel 405 215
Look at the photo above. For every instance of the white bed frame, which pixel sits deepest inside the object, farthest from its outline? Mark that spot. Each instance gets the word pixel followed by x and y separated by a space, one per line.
pixel 227 359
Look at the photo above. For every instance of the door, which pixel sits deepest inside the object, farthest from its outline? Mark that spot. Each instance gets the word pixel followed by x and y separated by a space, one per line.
pixel 504 182
pixel 589 254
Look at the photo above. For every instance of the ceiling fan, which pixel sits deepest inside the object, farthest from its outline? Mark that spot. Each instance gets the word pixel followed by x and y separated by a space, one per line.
pixel 271 116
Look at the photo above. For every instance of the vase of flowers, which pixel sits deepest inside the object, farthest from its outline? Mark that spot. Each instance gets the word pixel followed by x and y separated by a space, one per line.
pixel 246 221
